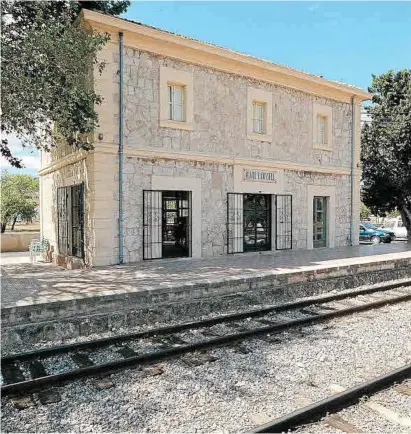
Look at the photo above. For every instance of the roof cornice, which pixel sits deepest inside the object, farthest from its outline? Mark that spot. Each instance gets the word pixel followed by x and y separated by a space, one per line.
pixel 191 51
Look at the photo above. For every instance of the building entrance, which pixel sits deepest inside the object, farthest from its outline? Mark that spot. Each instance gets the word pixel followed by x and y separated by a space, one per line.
pixel 249 222
pixel 166 224
pixel 176 224
pixel 257 222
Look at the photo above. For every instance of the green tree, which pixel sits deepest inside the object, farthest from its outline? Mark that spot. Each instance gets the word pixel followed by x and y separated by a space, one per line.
pixel 47 58
pixel 19 197
pixel 364 211
pixel 386 146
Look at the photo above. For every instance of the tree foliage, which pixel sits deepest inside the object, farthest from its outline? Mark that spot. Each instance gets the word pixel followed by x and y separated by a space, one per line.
pixel 386 146
pixel 46 67
pixel 365 212
pixel 19 197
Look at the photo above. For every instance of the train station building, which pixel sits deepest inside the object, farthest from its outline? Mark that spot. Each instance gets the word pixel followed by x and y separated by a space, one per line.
pixel 201 152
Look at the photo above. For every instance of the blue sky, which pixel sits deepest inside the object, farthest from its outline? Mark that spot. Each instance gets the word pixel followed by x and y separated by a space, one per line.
pixel 343 41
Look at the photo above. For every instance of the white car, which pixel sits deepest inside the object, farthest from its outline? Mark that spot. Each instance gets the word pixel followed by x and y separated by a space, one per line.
pixel 396 225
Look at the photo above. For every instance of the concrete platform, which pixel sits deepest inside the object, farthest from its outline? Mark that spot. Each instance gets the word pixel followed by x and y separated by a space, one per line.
pixel 83 301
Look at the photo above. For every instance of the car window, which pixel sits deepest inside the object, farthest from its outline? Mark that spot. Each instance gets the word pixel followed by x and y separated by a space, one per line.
pixel 388 225
pixel 369 226
pixel 400 225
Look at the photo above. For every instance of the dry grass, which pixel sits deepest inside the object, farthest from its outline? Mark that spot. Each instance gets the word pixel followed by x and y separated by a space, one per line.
pixel 23 227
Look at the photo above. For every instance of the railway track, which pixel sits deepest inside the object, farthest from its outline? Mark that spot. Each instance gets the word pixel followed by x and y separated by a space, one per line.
pixel 339 401
pixel 30 371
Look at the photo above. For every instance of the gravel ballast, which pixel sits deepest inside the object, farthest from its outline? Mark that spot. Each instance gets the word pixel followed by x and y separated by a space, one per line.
pixel 368 420
pixel 237 391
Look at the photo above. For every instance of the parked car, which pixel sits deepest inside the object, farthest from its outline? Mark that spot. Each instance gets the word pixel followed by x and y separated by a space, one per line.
pixel 375 236
pixel 395 225
pixel 369 225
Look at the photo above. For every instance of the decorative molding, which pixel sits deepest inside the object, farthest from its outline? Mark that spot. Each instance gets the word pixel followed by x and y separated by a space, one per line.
pixel 321 147
pixel 67 160
pixel 186 126
pixel 151 154
pixel 191 51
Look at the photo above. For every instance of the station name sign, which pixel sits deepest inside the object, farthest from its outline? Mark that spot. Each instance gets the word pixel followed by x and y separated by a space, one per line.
pixel 260 175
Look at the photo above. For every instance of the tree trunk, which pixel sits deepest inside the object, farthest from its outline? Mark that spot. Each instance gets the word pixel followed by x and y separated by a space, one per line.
pixel 406 220
pixel 14 222
pixel 3 227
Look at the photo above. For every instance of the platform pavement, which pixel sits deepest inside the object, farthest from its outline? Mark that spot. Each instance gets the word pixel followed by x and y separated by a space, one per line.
pixel 26 284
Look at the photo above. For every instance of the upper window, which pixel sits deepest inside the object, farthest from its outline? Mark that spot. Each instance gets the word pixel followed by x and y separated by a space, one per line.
pixel 322 127
pixel 258 118
pixel 259 115
pixel 176 103
pixel 176 99
pixel 322 130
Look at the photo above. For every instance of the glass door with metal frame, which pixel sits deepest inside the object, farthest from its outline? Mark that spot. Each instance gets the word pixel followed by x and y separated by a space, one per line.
pixel 320 223
pixel 176 224
pixel 166 224
pixel 257 222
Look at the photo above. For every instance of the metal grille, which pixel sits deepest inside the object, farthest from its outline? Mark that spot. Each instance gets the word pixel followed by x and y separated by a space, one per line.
pixel 152 224
pixel 166 224
pixel 70 220
pixel 284 219
pixel 77 218
pixel 62 220
pixel 235 223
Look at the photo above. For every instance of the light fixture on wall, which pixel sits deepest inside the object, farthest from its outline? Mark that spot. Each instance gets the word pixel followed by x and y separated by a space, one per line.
pixel 100 136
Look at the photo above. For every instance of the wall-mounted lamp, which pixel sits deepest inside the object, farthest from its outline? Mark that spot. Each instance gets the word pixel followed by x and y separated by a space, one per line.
pixel 100 136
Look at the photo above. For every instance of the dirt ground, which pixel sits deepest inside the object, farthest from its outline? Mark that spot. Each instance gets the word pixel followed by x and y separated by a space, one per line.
pixel 23 227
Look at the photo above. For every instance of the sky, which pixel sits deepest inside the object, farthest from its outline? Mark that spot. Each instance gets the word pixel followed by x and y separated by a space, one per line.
pixel 343 41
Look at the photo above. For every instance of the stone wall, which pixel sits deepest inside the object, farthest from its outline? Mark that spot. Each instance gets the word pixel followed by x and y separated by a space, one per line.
pixel 27 325
pixel 216 181
pixel 70 174
pixel 220 116
pixel 297 183
pixel 17 241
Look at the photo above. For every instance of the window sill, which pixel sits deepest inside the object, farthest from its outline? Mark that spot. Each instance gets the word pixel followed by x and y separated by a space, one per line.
pixel 260 137
pixel 187 126
pixel 322 147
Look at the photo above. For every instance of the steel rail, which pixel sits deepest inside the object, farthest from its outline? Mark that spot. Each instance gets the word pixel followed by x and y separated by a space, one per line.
pixel 110 367
pixel 97 343
pixel 319 409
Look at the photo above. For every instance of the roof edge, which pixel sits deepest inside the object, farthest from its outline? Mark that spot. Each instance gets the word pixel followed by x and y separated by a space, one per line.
pixel 124 25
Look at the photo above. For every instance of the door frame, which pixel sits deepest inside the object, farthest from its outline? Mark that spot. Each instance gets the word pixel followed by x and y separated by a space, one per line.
pixel 176 183
pixel 235 221
pixel 164 211
pixel 318 190
pixel 158 212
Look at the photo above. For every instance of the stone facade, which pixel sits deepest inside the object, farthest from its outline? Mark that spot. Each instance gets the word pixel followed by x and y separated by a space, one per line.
pixel 211 155
pixel 220 116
